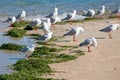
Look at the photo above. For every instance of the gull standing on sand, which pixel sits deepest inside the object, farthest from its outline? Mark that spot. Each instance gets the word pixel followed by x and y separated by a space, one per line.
pixel 55 20
pixel 11 20
pixel 90 13
pixel 45 27
pixel 70 16
pixel 36 22
pixel 110 28
pixel 89 42
pixel 48 22
pixel 21 16
pixel 53 14
pixel 102 11
pixel 74 32
pixel 116 11
pixel 46 37
pixel 28 50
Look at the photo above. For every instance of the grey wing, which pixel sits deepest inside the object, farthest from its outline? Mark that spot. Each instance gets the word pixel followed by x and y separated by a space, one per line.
pixel 18 16
pixel 67 17
pixel 42 38
pixel 33 23
pixel 52 20
pixel 24 49
pixel 8 20
pixel 86 42
pixel 107 29
pixel 115 11
pixel 98 13
pixel 71 32
pixel 50 15
pixel 88 14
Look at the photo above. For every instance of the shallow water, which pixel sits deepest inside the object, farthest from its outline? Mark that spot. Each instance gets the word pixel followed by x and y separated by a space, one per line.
pixel 43 7
pixel 10 57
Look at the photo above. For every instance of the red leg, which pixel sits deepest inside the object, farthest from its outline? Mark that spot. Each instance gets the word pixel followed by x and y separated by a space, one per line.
pixel 10 25
pixel 35 29
pixel 53 25
pixel 74 38
pixel 89 49
pixel 110 36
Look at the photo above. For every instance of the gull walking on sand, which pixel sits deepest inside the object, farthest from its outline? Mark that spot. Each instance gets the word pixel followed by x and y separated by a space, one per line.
pixel 89 42
pixel 74 32
pixel 28 50
pixel 11 20
pixel 21 16
pixel 110 28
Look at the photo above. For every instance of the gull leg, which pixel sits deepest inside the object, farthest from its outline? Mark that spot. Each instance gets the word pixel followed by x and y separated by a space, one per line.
pixel 89 49
pixel 11 25
pixel 110 36
pixel 74 38
pixel 35 28
pixel 53 25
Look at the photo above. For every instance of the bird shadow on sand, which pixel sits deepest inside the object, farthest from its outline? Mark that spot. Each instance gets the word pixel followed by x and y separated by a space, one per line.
pixel 100 37
pixel 63 41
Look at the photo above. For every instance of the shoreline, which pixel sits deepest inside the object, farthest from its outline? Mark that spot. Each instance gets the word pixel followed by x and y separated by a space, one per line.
pixel 101 64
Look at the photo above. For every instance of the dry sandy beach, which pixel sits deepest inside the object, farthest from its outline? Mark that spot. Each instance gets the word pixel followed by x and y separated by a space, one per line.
pixel 103 63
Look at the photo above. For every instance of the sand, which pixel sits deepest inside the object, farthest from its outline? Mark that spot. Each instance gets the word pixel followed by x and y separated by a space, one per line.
pixel 103 63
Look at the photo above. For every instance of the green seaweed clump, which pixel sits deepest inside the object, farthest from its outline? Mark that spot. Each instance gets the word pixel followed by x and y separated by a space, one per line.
pixel 38 64
pixel 21 76
pixel 11 46
pixel 20 24
pixel 44 51
pixel 48 55
pixel 15 32
pixel 32 66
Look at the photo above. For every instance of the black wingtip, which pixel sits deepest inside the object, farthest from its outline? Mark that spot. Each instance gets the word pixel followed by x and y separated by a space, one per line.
pixel 64 35
pixel 81 45
pixel 101 30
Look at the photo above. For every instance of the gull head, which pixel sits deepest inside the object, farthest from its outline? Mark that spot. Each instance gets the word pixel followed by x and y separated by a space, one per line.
pixel 103 6
pixel 56 9
pixel 74 11
pixel 33 46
